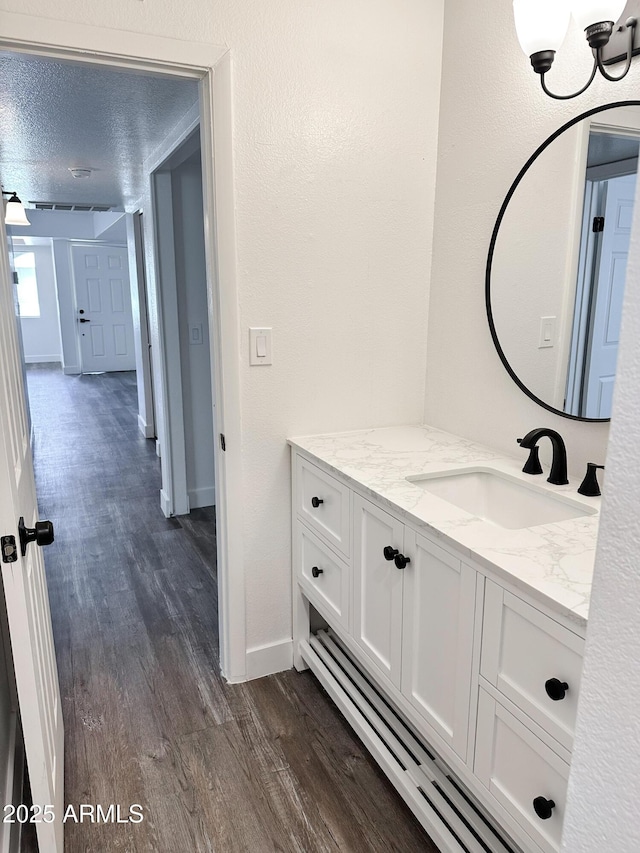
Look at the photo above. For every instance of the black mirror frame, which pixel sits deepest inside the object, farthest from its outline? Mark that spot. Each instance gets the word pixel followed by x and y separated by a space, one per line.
pixel 492 245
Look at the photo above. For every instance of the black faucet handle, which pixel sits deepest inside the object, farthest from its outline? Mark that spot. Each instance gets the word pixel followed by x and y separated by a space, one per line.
pixel 589 486
pixel 532 465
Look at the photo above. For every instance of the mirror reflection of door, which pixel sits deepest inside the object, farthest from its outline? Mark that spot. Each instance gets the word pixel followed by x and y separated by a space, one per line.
pixel 612 165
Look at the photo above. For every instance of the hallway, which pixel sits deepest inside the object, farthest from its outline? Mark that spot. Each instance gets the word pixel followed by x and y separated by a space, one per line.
pixel 265 766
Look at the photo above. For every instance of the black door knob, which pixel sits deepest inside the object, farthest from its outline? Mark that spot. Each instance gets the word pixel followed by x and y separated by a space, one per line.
pixel 401 561
pixel 83 320
pixel 41 534
pixel 315 502
pixel 316 572
pixel 389 552
pixel 556 689
pixel 543 807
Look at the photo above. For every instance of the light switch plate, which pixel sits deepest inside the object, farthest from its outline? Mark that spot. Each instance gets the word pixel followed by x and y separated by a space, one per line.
pixel 196 334
pixel 547 332
pixel 260 346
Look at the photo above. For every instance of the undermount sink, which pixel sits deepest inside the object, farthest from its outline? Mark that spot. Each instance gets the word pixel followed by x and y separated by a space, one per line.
pixel 500 498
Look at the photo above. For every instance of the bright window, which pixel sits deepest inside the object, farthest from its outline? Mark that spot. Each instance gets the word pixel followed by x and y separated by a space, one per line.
pixel 25 264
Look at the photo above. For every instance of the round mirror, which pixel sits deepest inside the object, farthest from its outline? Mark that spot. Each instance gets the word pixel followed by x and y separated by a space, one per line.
pixel 557 262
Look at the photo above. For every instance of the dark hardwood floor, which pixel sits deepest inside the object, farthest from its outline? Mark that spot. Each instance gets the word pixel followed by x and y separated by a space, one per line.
pixel 264 766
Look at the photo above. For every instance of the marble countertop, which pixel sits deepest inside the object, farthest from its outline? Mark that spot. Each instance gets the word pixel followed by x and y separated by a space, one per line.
pixel 551 562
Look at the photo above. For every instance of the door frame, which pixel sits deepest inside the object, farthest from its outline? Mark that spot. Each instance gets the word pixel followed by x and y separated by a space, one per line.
pixel 210 64
pixel 175 493
pixel 146 412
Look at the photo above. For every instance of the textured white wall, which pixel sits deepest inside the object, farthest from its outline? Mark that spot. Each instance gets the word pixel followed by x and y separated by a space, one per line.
pixel 604 786
pixel 41 335
pixel 336 118
pixel 493 117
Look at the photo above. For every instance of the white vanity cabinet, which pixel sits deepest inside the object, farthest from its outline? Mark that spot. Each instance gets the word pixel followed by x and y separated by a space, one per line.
pixel 377 588
pixel 414 621
pixel 485 678
pixel 437 631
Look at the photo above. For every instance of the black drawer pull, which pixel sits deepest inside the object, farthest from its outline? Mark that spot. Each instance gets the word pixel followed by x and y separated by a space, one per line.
pixel 556 689
pixel 316 572
pixel 543 807
pixel 401 561
pixel 389 552
pixel 315 502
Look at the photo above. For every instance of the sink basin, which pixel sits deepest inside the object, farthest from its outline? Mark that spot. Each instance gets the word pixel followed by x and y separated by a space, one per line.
pixel 500 498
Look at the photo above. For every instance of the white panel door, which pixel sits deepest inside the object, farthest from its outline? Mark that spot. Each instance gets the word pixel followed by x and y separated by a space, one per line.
pixel 609 291
pixel 103 308
pixel 25 586
pixel 439 608
pixel 377 595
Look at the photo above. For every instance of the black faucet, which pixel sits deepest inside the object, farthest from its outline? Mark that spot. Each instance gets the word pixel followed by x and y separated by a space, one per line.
pixel 558 473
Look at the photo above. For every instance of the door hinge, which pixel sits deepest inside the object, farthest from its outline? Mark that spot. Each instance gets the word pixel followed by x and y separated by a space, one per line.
pixel 598 224
pixel 9 549
pixel 223 443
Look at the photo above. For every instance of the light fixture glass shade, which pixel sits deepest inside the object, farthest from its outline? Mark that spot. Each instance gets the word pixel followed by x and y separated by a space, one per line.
pixel 541 24
pixel 14 212
pixel 587 12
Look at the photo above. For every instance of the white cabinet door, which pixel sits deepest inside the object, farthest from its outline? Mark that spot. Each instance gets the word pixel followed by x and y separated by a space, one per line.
pixel 439 607
pixel 377 594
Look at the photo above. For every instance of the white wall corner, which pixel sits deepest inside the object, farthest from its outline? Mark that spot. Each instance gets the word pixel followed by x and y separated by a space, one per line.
pixel 145 429
pixel 165 503
pixel 72 370
pixel 266 660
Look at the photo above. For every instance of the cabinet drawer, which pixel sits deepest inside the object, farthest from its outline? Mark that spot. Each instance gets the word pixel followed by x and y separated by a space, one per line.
pixel 533 660
pixel 323 502
pixel 328 585
pixel 518 768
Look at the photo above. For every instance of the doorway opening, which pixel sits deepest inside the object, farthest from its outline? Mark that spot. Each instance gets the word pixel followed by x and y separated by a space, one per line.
pixel 101 287
pixel 209 65
pixel 610 181
pixel 98 339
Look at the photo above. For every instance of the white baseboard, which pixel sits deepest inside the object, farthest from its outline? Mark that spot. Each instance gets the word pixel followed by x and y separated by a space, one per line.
pixel 41 359
pixel 71 371
pixel 158 452
pixel 205 496
pixel 265 660
pixel 165 504
pixel 144 427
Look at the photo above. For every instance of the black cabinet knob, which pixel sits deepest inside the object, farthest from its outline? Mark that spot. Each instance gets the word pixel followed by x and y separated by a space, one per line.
pixel 315 502
pixel 41 534
pixel 401 561
pixel 316 572
pixel 556 689
pixel 389 552
pixel 543 807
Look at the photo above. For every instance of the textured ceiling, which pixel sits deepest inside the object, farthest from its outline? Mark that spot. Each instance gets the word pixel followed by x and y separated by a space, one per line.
pixel 60 115
pixel 609 148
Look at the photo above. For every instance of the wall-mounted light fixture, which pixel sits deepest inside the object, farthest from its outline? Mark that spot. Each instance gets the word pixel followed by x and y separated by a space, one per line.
pixel 541 26
pixel 14 210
